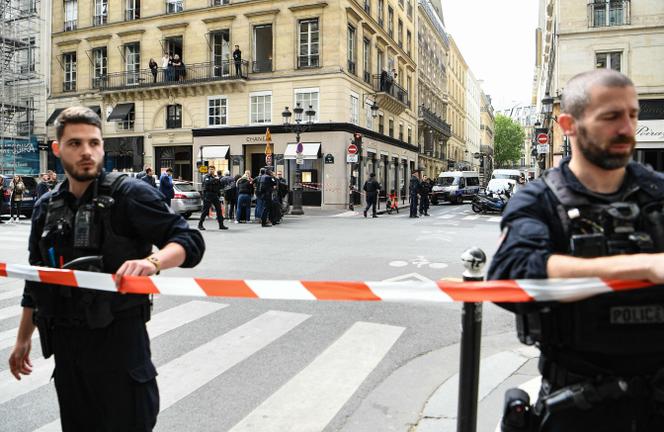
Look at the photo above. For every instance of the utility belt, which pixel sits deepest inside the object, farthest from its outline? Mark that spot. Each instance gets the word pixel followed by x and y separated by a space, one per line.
pixel 47 325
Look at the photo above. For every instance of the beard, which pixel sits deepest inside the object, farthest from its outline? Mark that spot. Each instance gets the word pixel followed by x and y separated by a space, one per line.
pixel 81 174
pixel 601 156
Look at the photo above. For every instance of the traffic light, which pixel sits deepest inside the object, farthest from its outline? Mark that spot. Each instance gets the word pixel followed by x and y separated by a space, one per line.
pixel 357 139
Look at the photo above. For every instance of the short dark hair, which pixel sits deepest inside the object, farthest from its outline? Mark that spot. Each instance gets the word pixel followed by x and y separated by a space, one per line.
pixel 169 170
pixel 76 115
pixel 576 94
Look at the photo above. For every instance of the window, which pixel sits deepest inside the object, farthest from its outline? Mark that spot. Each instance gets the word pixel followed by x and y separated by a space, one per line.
pixel 69 65
pixel 174 6
pixel 401 132
pixel 351 49
pixel 71 14
pixel 174 116
pixel 263 48
pixel 128 123
pixel 367 60
pixel 354 112
pixel 261 108
pixel 390 129
pixel 308 45
pixel 367 6
pixel 101 12
pixel 390 21
pixel 133 62
pixel 409 42
pixel 410 135
pixel 217 111
pixel 379 61
pixel 609 12
pixel 132 10
pixel 308 97
pixel 608 60
pixel 99 66
pixel 381 123
pixel 381 12
pixel 220 45
pixel 410 9
pixel 400 34
pixel 369 114
pixel 401 3
pixel 27 56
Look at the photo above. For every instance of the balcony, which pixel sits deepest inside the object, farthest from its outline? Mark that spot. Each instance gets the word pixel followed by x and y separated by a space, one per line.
pixel 307 61
pixel 608 13
pixel 132 14
pixel 207 74
pixel 70 25
pixel 434 121
pixel 98 20
pixel 390 95
pixel 259 66
pixel 367 77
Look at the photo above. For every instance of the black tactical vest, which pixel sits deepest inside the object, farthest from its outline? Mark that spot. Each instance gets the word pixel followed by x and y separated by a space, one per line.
pixel 93 308
pixel 611 329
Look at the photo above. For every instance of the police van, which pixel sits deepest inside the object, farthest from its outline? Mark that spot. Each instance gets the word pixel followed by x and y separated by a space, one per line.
pixel 455 186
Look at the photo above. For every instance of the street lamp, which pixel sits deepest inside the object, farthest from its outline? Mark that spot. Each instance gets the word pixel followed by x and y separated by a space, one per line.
pixel 298 127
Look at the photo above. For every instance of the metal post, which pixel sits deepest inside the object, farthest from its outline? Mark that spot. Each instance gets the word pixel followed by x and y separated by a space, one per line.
pixel 351 187
pixel 297 190
pixel 471 333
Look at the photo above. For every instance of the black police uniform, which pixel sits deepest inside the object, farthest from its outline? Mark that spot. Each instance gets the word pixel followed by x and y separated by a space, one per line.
pixel 267 185
pixel 602 359
pixel 211 190
pixel 425 189
pixel 104 377
pixel 415 186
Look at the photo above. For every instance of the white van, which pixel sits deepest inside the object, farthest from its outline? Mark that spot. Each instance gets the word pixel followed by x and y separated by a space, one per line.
pixel 503 180
pixel 455 186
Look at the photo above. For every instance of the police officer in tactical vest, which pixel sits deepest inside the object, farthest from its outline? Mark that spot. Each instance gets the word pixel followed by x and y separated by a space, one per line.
pixel 598 214
pixel 104 222
pixel 414 188
pixel 211 191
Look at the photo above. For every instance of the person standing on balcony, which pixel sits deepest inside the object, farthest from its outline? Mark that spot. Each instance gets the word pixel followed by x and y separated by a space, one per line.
pixel 165 65
pixel 154 67
pixel 237 58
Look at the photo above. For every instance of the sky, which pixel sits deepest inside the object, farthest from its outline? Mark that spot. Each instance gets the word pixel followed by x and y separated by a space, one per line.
pixel 497 40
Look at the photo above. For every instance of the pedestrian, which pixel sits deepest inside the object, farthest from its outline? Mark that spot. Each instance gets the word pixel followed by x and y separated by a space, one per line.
pixel 154 68
pixel 17 188
pixel 414 192
pixel 229 190
pixel 282 185
pixel 258 210
pixel 237 59
pixel 598 215
pixel 53 179
pixel 178 68
pixel 245 190
pixel 266 185
pixel 392 202
pixel 425 189
pixel 104 375
pixel 371 188
pixel 166 61
pixel 166 185
pixel 43 186
pixel 211 191
pixel 149 177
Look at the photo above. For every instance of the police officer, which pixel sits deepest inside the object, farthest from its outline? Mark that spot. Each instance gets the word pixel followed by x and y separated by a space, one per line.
pixel 98 221
pixel 598 215
pixel 425 189
pixel 371 188
pixel 266 185
pixel 211 191
pixel 415 186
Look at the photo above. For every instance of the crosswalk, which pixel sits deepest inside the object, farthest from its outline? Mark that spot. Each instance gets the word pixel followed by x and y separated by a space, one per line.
pixel 447 213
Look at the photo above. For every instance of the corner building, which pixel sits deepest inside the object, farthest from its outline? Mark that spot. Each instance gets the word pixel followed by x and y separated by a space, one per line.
pixel 327 54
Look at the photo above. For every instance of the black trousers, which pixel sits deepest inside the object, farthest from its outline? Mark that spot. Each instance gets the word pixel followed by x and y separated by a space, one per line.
pixel 371 203
pixel 238 68
pixel 267 209
pixel 209 201
pixel 413 205
pixel 424 204
pixel 105 379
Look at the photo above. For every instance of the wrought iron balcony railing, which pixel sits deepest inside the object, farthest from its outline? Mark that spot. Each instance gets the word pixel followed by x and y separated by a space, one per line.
pixel 259 66
pixel 132 14
pixel 187 74
pixel 433 120
pixel 70 25
pixel 308 61
pixel 383 83
pixel 606 13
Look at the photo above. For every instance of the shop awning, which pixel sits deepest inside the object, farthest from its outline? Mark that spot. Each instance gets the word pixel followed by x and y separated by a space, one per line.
pixel 310 151
pixel 121 112
pixel 97 110
pixel 53 116
pixel 213 152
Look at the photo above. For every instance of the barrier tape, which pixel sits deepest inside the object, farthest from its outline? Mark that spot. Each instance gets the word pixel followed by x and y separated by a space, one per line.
pixel 509 291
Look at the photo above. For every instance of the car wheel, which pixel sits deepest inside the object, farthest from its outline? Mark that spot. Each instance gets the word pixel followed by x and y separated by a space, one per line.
pixel 186 215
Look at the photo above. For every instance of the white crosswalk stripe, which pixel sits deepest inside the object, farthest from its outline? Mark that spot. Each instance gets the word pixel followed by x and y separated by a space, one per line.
pixel 11 293
pixel 10 312
pixel 311 399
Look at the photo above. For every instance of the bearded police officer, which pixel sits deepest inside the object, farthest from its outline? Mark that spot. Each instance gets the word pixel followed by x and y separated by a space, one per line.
pixel 598 215
pixel 106 222
pixel 211 191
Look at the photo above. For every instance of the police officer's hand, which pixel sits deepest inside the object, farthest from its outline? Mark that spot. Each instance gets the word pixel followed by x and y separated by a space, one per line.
pixel 139 267
pixel 19 360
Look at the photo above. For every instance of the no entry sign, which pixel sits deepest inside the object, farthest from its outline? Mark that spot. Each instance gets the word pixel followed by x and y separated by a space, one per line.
pixel 352 149
pixel 542 138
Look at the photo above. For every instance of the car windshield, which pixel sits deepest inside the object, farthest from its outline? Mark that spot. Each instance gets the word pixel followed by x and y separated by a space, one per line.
pixel 506 176
pixel 185 187
pixel 447 181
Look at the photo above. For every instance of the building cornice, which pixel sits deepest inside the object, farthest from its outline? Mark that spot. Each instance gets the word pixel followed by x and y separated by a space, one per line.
pixel 262 13
pixel 98 38
pixel 131 32
pixel 180 25
pixel 306 7
pixel 68 42
pixel 605 32
pixel 221 19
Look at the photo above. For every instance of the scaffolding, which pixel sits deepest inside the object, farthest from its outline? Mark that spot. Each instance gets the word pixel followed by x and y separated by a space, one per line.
pixel 22 88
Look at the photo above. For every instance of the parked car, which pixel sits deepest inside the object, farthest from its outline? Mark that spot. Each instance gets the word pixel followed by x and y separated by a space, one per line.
pixel 187 199
pixel 28 195
pixel 455 186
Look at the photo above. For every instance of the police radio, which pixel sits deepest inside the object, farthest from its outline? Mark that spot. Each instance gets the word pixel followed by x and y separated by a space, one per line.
pixel 87 234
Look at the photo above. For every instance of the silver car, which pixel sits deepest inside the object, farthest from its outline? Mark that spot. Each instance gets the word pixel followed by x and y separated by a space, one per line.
pixel 186 200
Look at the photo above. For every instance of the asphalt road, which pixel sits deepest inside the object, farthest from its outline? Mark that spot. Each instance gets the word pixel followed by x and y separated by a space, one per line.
pixel 261 365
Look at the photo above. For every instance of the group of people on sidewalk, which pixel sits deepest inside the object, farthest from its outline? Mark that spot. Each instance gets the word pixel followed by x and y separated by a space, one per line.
pixel 419 195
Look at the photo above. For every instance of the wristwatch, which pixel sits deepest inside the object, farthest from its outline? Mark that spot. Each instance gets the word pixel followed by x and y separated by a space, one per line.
pixel 155 262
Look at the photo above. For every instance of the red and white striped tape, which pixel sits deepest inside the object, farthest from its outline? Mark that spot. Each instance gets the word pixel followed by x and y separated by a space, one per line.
pixel 509 291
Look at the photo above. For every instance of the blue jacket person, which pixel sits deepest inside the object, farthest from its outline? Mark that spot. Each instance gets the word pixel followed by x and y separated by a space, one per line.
pixel 598 215
pixel 107 222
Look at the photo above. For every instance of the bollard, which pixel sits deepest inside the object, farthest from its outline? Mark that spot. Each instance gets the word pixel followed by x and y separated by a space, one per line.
pixel 471 333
